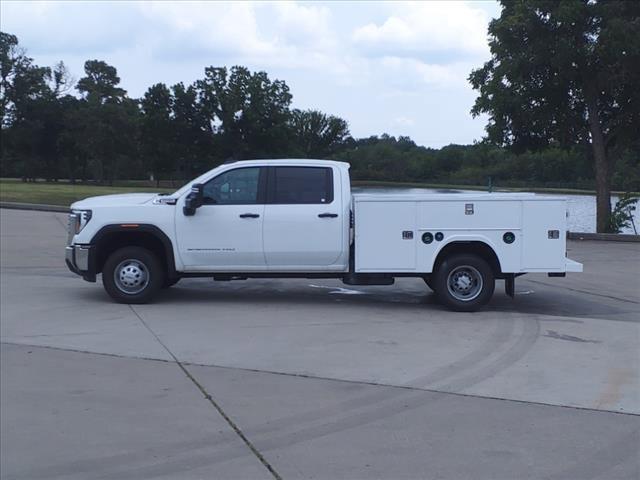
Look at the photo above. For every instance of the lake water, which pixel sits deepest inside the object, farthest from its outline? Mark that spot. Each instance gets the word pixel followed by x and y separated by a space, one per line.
pixel 582 208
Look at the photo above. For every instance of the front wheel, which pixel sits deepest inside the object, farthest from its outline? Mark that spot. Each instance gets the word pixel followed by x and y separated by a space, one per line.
pixel 464 282
pixel 132 275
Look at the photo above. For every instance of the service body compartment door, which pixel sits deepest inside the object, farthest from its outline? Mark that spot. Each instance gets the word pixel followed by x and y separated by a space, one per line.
pixel 385 236
pixel 544 235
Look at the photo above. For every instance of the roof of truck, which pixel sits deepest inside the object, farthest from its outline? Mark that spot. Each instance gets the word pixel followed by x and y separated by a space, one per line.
pixel 288 161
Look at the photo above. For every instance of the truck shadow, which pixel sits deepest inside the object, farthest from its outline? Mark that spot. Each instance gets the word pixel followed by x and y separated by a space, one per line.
pixel 406 296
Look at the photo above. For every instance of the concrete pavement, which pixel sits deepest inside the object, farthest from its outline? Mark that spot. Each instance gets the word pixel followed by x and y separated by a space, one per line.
pixel 316 380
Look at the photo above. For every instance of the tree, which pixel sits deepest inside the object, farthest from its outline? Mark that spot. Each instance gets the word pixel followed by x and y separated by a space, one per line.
pixel 157 141
pixel 100 85
pixel 564 73
pixel 20 80
pixel 111 122
pixel 248 112
pixel 193 131
pixel 72 140
pixel 28 96
pixel 317 135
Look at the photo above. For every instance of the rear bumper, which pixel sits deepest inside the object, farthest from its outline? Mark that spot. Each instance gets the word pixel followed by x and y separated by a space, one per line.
pixel 572 265
pixel 80 260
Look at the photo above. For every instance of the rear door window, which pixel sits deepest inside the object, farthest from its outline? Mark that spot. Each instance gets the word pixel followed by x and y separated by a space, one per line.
pixel 301 185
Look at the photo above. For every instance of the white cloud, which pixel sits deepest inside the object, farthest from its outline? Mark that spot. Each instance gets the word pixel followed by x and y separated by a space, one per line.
pixel 409 71
pixel 63 28
pixel 306 25
pixel 443 28
pixel 206 26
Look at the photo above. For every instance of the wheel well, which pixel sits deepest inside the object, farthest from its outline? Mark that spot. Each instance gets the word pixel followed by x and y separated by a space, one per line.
pixel 480 249
pixel 112 241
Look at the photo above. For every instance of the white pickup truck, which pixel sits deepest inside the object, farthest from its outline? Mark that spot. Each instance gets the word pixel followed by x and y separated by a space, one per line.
pixel 299 219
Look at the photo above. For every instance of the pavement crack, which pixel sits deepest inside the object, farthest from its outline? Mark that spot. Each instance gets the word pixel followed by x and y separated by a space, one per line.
pixel 211 400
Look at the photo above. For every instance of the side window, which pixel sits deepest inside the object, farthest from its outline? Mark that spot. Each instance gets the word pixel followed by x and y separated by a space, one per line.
pixel 300 185
pixel 235 187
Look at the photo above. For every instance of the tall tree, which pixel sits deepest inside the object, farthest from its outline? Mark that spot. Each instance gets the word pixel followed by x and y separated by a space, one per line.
pixel 194 131
pixel 28 112
pixel 564 73
pixel 157 141
pixel 111 122
pixel 317 135
pixel 21 81
pixel 100 83
pixel 247 111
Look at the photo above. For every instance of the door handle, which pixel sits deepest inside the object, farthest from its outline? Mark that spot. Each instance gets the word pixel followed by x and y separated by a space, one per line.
pixel 327 215
pixel 249 215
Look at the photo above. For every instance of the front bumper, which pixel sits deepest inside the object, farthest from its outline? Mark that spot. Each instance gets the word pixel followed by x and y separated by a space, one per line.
pixel 80 260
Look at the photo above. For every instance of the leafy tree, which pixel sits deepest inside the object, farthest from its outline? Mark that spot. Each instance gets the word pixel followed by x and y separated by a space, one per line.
pixel 28 112
pixel 564 73
pixel 111 122
pixel 247 111
pixel 100 85
pixel 317 135
pixel 72 139
pixel 193 131
pixel 622 215
pixel 20 80
pixel 158 142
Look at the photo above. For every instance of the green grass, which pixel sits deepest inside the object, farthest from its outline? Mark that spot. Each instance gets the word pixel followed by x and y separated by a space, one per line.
pixel 61 193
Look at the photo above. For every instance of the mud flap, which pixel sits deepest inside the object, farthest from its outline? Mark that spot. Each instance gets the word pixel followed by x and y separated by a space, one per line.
pixel 510 285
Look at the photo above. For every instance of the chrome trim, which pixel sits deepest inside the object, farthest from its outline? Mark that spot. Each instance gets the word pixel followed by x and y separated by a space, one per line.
pixel 82 258
pixel 78 257
pixel 165 201
pixel 68 255
pixel 71 227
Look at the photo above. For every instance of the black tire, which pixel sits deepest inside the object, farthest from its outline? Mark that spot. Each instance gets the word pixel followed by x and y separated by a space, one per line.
pixel 170 282
pixel 139 261
pixel 475 281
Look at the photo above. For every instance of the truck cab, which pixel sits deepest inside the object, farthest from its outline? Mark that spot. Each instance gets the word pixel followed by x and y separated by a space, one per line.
pixel 281 216
pixel 298 218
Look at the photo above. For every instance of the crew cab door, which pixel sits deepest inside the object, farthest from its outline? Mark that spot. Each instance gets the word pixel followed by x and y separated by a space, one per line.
pixel 225 234
pixel 303 219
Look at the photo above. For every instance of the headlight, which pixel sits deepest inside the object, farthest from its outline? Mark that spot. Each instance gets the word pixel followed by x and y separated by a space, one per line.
pixel 79 219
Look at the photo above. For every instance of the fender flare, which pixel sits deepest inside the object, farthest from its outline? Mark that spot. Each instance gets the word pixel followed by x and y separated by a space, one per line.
pixel 141 227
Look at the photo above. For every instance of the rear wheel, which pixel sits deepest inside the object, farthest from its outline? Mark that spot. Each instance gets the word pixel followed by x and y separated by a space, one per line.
pixel 132 275
pixel 464 282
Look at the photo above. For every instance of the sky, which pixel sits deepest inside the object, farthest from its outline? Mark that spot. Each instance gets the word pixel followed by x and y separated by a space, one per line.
pixel 386 67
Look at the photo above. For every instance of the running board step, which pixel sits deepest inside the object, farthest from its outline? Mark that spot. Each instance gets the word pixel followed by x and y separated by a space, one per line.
pixel 367 279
